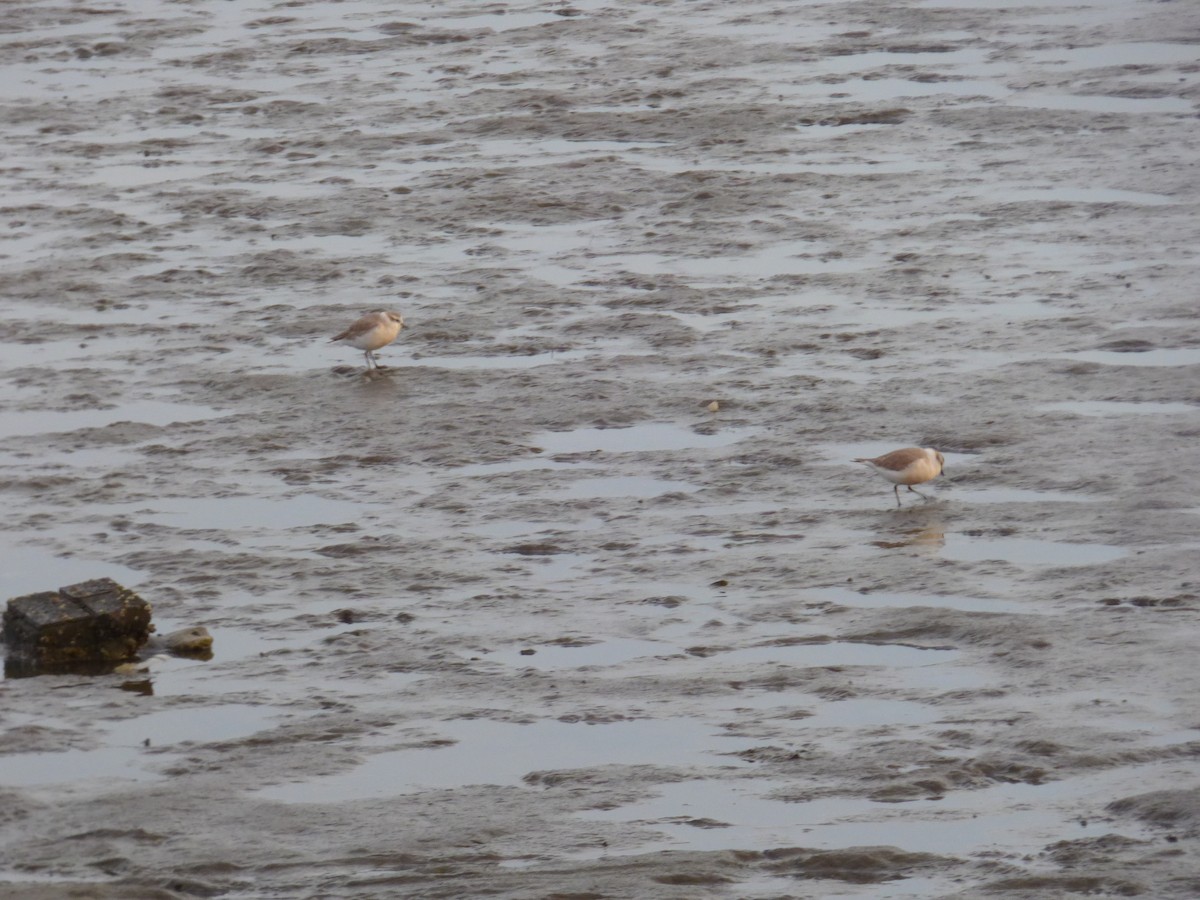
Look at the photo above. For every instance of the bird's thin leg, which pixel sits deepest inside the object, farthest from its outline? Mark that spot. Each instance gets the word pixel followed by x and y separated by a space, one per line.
pixel 896 489
pixel 918 493
pixel 370 359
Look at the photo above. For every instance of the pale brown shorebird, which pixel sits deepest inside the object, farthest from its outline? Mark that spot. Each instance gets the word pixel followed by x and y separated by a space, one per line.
pixel 369 333
pixel 912 465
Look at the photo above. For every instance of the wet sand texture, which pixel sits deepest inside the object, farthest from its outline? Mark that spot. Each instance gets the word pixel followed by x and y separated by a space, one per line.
pixel 520 615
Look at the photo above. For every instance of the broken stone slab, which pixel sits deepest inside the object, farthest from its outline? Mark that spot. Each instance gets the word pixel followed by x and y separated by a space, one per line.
pixel 93 621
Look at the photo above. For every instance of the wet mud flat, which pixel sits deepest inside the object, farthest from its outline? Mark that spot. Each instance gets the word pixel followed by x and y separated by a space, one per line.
pixel 521 615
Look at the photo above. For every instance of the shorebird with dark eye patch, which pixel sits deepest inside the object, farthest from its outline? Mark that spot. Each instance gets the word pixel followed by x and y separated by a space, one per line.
pixel 912 465
pixel 369 333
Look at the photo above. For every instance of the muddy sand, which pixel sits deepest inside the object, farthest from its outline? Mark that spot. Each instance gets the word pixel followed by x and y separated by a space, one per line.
pixel 520 616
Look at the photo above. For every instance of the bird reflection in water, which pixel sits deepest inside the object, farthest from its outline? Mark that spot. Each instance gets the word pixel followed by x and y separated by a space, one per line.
pixel 923 530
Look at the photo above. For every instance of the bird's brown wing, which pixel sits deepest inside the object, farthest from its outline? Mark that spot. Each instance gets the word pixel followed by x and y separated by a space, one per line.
pixel 359 328
pixel 898 459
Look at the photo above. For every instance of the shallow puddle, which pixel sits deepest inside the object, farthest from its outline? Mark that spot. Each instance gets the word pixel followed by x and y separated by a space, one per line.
pixel 886 89
pixel 602 653
pixel 1029 552
pixel 501 753
pixel 871 713
pixel 516 465
pixel 1163 356
pixel 1102 103
pixel 126 176
pixel 1073 5
pixel 106 764
pixel 779 259
pixel 809 162
pixel 149 412
pixel 1017 817
pixel 497 21
pixel 1017 495
pixel 853 713
pixel 968 61
pixel 652 436
pixel 28 570
pixel 127 752
pixel 890 600
pixel 102 457
pixel 1073 194
pixel 222 674
pixel 509 528
pixel 847 314
pixel 623 486
pixel 1104 408
pixel 523 361
pixel 1135 53
pixel 838 653
pixel 223 513
pixel 396 364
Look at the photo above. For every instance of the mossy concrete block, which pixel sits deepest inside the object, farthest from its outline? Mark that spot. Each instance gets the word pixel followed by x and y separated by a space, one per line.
pixel 96 620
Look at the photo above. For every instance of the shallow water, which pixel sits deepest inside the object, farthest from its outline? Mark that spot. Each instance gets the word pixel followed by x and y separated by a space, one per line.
pixel 975 823
pixel 529 566
pixel 1030 552
pixel 132 749
pixel 24 569
pixel 634 439
pixel 149 412
pixel 484 752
